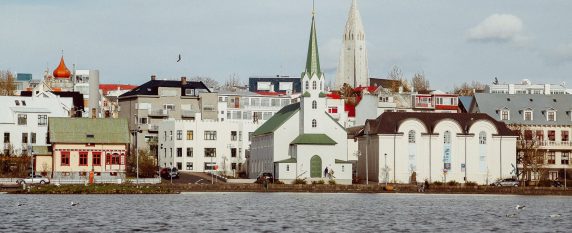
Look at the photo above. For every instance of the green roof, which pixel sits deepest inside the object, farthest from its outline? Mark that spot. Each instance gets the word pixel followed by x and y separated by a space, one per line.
pixel 278 119
pixel 314 139
pixel 290 160
pixel 342 161
pixel 42 150
pixel 88 130
pixel 313 59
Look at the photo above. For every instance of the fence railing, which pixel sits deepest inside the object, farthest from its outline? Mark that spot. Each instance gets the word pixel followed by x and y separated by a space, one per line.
pixel 97 181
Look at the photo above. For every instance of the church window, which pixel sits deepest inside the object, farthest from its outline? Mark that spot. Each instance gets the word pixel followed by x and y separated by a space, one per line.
pixel 447 137
pixel 411 136
pixel 482 138
pixel 314 85
pixel 314 104
pixel 307 85
pixel 314 123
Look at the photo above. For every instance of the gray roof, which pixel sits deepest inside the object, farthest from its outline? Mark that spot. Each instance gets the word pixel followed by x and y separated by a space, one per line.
pixel 492 104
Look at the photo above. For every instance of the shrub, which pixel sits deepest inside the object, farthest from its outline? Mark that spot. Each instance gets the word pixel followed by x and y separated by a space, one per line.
pixel 299 181
pixel 438 183
pixel 452 183
pixel 332 182
pixel 318 182
pixel 278 182
pixel 471 183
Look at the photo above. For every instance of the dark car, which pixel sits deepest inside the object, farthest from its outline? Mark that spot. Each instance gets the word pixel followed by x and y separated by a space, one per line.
pixel 265 176
pixel 169 173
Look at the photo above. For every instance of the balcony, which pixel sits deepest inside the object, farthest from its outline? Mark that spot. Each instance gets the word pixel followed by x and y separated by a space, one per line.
pixel 188 113
pixel 153 128
pixel 158 113
pixel 548 143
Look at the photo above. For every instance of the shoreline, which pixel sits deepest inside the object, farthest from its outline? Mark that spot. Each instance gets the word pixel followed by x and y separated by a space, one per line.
pixel 286 188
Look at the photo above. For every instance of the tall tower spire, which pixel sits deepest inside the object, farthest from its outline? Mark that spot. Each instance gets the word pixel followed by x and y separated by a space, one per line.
pixel 352 67
pixel 313 58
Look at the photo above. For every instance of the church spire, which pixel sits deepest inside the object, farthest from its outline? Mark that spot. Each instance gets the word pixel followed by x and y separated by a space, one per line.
pixel 313 59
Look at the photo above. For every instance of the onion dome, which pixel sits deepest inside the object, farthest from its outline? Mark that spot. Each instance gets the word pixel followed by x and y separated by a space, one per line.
pixel 62 71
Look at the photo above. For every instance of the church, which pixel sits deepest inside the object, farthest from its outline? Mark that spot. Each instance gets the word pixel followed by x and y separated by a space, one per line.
pixel 302 141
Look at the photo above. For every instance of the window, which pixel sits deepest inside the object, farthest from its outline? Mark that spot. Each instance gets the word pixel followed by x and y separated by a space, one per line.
pixel 314 104
pixel 551 135
pixel 528 135
pixel 233 135
pixel 96 158
pixel 527 115
pixel 210 135
pixel 233 166
pixel 171 135
pixel 411 136
pixel 332 109
pixel 551 157
pixel 189 135
pixel 169 107
pixel 143 120
pixel 17 102
pixel 24 137
pixel 383 99
pixel 240 136
pixel 179 165
pixel 504 115
pixel 540 135
pixel 307 85
pixel 189 152
pixel 6 137
pixel 33 136
pixel 287 167
pixel 314 85
pixel 190 166
pixel 42 120
pixel 179 152
pixel 65 158
pixel 179 135
pixel 265 102
pixel 314 123
pixel 564 135
pixel 482 138
pixel 233 152
pixel 447 137
pixel 250 135
pixel 83 158
pixel 565 157
pixel 210 165
pixel 551 116
pixel 113 159
pixel 210 152
pixel 22 119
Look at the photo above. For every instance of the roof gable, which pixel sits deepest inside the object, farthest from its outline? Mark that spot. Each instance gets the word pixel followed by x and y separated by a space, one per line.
pixel 278 119
pixel 88 130
pixel 313 139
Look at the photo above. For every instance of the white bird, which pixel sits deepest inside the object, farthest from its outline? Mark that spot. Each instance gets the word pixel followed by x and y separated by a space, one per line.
pixel 555 215
pixel 74 204
pixel 519 207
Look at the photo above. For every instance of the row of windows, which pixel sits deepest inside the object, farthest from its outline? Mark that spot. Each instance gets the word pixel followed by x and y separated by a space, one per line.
pixel 208 135
pixel 314 85
pixel 207 166
pixel 528 116
pixel 564 135
pixel 447 137
pixel 23 119
pixel 248 115
pixel 24 137
pixel 237 102
pixel 209 152
pixel 110 159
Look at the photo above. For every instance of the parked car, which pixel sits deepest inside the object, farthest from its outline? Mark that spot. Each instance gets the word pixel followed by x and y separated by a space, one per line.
pixel 265 176
pixel 506 182
pixel 35 179
pixel 169 173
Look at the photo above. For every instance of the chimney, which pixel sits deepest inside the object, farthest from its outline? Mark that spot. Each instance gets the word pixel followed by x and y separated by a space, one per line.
pixel 153 77
pixel 183 81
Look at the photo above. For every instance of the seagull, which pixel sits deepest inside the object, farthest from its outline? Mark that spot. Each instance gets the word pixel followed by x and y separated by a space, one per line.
pixel 19 204
pixel 511 215
pixel 179 58
pixel 555 215
pixel 519 207
pixel 74 204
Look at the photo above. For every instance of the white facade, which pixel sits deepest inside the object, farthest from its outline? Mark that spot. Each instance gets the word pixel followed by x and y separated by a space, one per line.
pixel 352 67
pixel 446 153
pixel 24 120
pixel 527 87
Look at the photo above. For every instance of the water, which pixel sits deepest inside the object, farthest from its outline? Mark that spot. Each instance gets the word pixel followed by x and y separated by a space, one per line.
pixel 284 212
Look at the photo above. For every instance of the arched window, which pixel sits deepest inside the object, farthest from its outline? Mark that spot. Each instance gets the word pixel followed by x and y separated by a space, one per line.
pixel 411 136
pixel 482 138
pixel 314 85
pixel 314 104
pixel 307 85
pixel 447 137
pixel 314 123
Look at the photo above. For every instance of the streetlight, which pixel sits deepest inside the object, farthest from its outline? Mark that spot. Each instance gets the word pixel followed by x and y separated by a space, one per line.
pixel 385 173
pixel 366 165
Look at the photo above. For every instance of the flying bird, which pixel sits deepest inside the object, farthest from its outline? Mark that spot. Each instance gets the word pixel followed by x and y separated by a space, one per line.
pixel 178 60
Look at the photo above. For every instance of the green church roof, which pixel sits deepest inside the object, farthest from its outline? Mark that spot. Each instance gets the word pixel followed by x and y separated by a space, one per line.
pixel 88 130
pixel 314 139
pixel 313 58
pixel 278 119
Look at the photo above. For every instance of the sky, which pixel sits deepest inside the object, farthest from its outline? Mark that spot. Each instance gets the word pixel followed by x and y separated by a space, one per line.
pixel 450 41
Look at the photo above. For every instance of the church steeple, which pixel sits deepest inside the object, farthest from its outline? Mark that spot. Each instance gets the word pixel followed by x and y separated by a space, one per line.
pixel 313 58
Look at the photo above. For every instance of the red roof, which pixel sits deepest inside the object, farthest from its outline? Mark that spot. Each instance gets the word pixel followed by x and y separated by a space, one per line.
pixel 105 88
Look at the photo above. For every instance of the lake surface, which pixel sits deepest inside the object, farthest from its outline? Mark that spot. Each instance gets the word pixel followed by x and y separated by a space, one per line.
pixel 284 212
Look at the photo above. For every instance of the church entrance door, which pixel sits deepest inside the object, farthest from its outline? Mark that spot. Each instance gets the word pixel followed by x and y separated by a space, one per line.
pixel 315 167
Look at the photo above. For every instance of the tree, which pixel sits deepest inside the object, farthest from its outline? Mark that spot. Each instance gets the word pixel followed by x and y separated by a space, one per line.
pixel 147 164
pixel 209 82
pixel 7 85
pixel 530 158
pixel 396 75
pixel 467 89
pixel 419 82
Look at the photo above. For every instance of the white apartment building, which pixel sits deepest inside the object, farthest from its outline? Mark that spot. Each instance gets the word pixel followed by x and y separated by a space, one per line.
pixel 527 87
pixel 24 120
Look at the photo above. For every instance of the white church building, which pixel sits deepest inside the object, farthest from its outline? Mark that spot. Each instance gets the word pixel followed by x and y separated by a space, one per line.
pixel 302 140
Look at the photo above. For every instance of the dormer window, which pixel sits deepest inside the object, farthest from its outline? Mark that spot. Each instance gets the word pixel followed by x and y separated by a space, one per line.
pixel 528 115
pixel 551 115
pixel 505 116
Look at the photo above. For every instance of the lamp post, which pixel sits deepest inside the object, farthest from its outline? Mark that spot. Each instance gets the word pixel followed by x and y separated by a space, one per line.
pixel 366 165
pixel 135 131
pixel 385 173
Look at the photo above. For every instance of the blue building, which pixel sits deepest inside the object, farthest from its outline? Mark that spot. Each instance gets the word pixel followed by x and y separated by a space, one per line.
pixel 274 84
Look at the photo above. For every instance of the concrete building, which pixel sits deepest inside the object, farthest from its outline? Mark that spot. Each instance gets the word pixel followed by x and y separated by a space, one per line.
pixel 527 87
pixel 81 145
pixel 302 141
pixel 404 147
pixel 352 67
pixel 544 120
pixel 278 83
pixel 146 106
pixel 24 120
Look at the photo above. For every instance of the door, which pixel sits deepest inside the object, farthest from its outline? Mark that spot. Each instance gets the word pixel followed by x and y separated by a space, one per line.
pixel 316 167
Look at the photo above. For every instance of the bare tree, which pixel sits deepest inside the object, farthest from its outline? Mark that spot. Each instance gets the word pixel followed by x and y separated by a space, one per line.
pixel 233 82
pixel 419 82
pixel 530 158
pixel 467 89
pixel 396 75
pixel 147 164
pixel 7 85
pixel 209 82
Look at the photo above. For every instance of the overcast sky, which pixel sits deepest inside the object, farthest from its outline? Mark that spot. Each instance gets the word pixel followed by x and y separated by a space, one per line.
pixel 450 41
